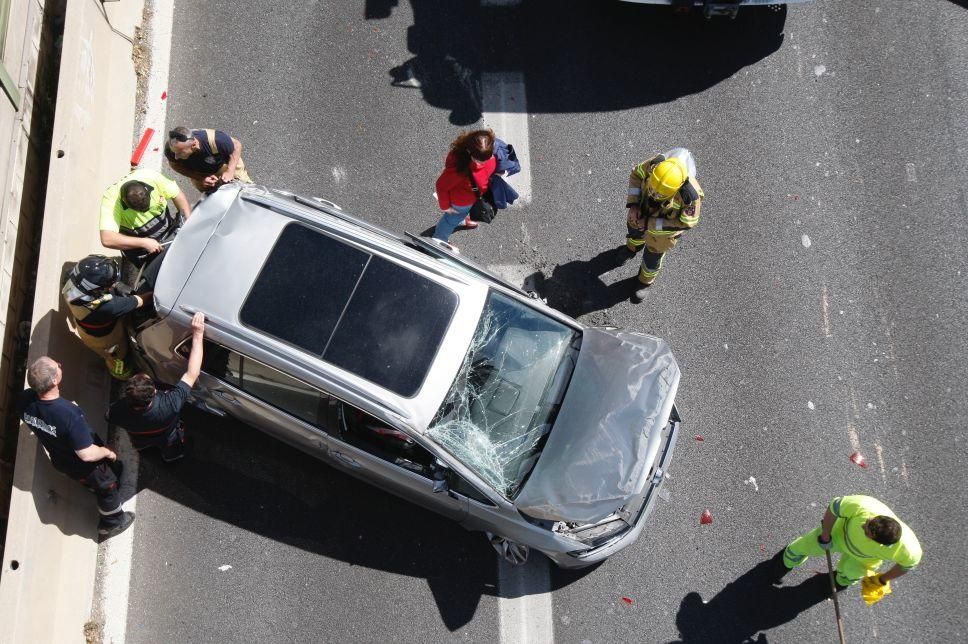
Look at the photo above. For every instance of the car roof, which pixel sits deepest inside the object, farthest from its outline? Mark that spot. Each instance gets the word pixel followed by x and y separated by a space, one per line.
pixel 215 264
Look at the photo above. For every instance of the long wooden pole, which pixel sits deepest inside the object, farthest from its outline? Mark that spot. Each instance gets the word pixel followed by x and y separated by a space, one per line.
pixel 833 594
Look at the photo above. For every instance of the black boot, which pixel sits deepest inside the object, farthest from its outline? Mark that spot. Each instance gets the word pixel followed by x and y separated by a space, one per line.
pixel 116 526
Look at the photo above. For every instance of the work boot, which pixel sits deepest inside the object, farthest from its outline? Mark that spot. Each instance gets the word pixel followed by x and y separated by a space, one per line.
pixel 108 531
pixel 469 223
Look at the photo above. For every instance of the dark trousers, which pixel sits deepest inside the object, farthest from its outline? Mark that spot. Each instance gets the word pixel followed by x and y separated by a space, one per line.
pixel 103 481
pixel 171 441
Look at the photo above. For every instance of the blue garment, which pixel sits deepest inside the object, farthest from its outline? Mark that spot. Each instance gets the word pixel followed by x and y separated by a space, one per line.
pixel 449 222
pixel 502 193
pixel 507 159
pixel 62 429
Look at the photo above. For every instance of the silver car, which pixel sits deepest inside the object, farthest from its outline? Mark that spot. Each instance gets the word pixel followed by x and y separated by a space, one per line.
pixel 394 359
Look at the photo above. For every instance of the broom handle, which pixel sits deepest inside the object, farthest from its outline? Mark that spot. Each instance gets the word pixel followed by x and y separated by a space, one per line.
pixel 833 594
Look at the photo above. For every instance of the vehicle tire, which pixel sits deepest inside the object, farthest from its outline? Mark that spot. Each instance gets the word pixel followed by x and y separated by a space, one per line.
pixel 513 552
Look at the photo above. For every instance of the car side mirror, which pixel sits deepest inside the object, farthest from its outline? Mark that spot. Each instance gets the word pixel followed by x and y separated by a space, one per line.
pixel 439 472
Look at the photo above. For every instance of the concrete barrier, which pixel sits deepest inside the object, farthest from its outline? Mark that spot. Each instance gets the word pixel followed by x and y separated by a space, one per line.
pixel 50 557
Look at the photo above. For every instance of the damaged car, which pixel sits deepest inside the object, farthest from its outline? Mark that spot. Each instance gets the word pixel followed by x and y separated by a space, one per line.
pixel 394 359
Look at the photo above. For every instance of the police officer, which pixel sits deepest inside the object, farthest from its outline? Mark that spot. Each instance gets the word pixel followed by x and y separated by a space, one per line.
pixel 152 417
pixel 98 313
pixel 73 447
pixel 866 533
pixel 209 158
pixel 134 214
pixel 663 200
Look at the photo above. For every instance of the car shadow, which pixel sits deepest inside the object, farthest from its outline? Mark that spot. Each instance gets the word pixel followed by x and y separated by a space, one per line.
pixel 577 288
pixel 746 607
pixel 238 475
pixel 588 57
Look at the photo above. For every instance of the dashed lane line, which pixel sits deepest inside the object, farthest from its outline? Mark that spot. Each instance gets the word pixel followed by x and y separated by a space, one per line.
pixel 505 110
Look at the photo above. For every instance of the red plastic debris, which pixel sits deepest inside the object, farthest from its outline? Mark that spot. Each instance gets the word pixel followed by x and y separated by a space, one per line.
pixel 164 95
pixel 858 459
pixel 700 438
pixel 706 517
pixel 628 600
pixel 142 146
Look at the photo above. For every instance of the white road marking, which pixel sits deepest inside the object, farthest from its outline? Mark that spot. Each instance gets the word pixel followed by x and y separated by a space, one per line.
pixel 826 313
pixel 505 110
pixel 880 461
pixel 524 603
pixel 115 573
pixel 156 108
pixel 115 580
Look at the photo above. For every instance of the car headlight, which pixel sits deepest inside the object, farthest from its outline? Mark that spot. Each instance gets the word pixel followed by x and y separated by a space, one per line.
pixel 595 533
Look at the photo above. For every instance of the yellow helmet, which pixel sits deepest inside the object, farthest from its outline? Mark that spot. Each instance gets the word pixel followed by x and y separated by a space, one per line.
pixel 666 178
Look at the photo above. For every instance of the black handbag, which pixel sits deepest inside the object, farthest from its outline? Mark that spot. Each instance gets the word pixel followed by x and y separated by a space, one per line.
pixel 482 210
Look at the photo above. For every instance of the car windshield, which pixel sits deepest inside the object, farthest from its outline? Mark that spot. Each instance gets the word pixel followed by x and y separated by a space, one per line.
pixel 501 407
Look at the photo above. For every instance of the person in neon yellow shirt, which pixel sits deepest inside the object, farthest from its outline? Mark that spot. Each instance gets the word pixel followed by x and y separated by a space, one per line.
pixel 866 533
pixel 134 213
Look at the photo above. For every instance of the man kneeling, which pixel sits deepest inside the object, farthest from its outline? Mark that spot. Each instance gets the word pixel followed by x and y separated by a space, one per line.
pixel 152 417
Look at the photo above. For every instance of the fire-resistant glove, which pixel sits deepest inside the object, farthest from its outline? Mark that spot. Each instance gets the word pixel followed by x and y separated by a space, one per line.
pixel 825 545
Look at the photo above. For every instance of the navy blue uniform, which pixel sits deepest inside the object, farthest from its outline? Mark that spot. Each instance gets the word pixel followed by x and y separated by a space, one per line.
pixel 158 425
pixel 62 429
pixel 205 160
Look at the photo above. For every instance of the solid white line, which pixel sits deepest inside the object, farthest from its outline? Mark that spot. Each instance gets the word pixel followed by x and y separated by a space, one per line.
pixel 115 573
pixel 505 110
pixel 524 603
pixel 156 108
pixel 116 553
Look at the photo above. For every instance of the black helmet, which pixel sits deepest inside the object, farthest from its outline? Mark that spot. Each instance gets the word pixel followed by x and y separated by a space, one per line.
pixel 91 277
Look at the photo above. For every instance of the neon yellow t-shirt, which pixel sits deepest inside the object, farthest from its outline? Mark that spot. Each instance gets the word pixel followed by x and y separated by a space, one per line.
pixel 116 217
pixel 853 512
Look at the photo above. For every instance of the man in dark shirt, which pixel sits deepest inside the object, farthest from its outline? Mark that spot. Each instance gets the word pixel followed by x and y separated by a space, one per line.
pixel 98 313
pixel 209 158
pixel 151 417
pixel 73 447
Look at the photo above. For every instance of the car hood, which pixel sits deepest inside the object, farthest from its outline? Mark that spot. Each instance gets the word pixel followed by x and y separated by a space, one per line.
pixel 608 430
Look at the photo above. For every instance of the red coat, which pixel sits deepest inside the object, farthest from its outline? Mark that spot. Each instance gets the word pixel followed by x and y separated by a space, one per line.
pixel 454 188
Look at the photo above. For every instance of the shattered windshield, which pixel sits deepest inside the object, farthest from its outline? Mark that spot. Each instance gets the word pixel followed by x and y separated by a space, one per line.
pixel 507 393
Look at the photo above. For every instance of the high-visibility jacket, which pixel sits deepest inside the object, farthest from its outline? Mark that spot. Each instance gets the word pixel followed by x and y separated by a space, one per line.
pixel 664 221
pixel 154 222
pixel 852 513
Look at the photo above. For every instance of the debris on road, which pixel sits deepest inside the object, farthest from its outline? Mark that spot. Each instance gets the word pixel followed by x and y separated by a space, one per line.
pixel 225 567
pixel 706 517
pixel 858 459
pixel 752 481
pixel 700 438
pixel 628 600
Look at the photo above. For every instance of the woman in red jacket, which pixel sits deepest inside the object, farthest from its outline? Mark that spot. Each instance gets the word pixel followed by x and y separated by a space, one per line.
pixel 470 153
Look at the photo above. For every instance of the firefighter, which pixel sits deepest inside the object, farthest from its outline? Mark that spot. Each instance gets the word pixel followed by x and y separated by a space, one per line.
pixel 663 200
pixel 866 533
pixel 98 313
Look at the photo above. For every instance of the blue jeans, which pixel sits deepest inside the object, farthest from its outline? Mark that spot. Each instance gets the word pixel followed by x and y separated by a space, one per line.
pixel 449 222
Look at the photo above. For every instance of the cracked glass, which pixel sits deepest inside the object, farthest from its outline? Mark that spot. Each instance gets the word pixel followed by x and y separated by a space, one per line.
pixel 507 393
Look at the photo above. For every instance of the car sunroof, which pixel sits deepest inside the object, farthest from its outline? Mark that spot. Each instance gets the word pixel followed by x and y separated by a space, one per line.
pixel 355 310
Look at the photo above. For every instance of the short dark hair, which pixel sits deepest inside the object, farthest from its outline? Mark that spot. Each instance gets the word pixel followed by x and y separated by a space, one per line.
pixel 181 134
pixel 139 390
pixel 885 530
pixel 136 196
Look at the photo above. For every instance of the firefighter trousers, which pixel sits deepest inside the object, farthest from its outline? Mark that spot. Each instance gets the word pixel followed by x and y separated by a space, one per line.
pixel 103 481
pixel 651 261
pixel 850 569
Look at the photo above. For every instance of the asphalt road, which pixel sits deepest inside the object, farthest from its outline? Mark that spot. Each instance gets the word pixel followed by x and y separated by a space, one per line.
pixel 818 309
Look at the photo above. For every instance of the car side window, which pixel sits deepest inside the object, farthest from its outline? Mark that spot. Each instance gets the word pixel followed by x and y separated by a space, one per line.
pixel 363 431
pixel 263 382
pixel 461 486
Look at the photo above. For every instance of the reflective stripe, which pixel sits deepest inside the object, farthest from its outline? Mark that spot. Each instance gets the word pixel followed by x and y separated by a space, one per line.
pixel 634 241
pixel 689 220
pixel 665 233
pixel 854 550
pixel 835 506
pixel 644 272
pixel 640 171
pixel 635 192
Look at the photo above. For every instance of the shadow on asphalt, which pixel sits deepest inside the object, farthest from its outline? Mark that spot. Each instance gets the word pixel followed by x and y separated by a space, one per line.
pixel 574 55
pixel 579 287
pixel 745 608
pixel 240 476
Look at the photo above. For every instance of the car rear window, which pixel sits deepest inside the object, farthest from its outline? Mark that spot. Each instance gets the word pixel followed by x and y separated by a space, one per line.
pixel 355 310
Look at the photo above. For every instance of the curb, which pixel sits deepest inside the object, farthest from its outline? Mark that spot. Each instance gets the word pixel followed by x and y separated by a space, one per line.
pixel 46 592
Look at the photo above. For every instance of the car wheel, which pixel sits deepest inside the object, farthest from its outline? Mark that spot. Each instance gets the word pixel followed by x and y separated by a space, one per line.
pixel 513 552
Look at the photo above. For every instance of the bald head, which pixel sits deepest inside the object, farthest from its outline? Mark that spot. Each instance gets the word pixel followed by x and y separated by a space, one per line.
pixel 43 375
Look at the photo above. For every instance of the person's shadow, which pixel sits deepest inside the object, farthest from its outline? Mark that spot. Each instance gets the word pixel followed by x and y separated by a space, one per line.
pixel 577 288
pixel 748 606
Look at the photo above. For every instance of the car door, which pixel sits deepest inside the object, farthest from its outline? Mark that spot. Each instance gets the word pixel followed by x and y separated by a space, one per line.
pixel 263 397
pixel 389 458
